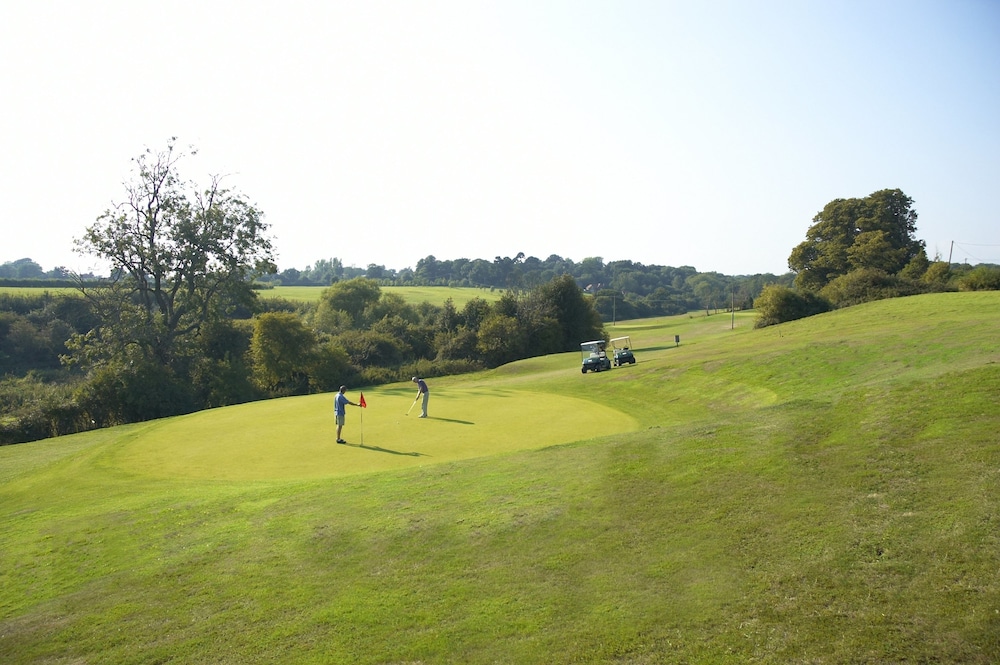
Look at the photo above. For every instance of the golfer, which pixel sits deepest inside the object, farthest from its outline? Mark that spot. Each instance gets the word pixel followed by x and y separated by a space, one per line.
pixel 422 390
pixel 340 403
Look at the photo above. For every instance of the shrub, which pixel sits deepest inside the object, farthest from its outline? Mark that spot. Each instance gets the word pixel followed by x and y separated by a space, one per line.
pixel 866 285
pixel 981 278
pixel 366 348
pixel 115 394
pixel 376 376
pixel 778 304
pixel 331 368
pixel 427 368
pixel 33 409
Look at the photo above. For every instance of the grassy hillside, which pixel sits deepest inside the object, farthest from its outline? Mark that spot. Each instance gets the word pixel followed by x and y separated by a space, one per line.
pixel 825 491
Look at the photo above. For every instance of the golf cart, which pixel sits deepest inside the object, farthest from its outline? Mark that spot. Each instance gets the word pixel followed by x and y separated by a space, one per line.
pixel 621 348
pixel 595 358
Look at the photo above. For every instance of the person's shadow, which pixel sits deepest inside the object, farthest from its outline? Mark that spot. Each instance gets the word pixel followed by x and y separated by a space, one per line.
pixel 451 420
pixel 379 449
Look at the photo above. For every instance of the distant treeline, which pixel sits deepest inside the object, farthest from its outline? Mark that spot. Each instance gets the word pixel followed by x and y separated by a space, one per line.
pixel 48 283
pixel 623 289
pixel 26 272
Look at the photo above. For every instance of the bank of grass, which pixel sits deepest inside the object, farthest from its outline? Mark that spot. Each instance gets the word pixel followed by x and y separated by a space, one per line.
pixel 825 491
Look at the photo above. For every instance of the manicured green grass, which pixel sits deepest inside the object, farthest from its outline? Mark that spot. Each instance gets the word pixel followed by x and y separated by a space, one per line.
pixel 826 491
pixel 294 438
pixel 414 295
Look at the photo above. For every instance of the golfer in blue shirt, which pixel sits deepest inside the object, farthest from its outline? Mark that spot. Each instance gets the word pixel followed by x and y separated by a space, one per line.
pixel 340 403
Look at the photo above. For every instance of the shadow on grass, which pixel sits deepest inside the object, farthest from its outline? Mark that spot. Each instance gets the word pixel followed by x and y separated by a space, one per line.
pixel 379 449
pixel 451 420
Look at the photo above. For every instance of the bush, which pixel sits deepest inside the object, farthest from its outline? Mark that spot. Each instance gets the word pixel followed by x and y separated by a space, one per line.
pixel 116 394
pixel 779 304
pixel 33 409
pixel 377 376
pixel 368 348
pixel 331 368
pixel 427 368
pixel 867 285
pixel 981 278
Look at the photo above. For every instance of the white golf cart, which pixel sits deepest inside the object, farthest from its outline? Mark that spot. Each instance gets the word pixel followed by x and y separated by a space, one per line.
pixel 595 356
pixel 621 351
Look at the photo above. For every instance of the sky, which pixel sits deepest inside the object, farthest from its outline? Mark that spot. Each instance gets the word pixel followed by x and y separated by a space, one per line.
pixel 702 133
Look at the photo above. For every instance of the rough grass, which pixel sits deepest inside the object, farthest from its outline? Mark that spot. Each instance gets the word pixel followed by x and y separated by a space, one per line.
pixel 824 491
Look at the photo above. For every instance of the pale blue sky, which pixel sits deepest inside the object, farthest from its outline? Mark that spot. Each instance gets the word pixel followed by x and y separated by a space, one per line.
pixel 675 133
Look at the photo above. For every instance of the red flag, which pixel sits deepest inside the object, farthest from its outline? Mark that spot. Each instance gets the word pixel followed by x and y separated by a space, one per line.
pixel 362 402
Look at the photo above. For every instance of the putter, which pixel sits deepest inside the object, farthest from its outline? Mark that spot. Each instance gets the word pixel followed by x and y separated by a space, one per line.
pixel 412 405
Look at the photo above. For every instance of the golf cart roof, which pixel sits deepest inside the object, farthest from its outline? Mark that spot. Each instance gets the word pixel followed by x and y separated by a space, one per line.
pixel 596 341
pixel 626 338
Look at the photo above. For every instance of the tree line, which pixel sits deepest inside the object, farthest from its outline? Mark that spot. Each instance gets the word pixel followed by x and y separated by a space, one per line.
pixel 623 288
pixel 26 272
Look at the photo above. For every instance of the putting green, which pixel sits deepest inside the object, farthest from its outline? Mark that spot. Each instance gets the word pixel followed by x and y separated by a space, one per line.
pixel 295 437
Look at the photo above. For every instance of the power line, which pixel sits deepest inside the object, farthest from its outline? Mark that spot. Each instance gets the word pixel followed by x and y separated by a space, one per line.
pixel 964 245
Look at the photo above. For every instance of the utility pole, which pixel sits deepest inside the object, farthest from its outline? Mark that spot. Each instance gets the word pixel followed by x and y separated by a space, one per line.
pixel 950 251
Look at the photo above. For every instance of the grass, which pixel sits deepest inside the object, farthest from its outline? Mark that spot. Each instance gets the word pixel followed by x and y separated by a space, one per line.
pixel 414 295
pixel 34 291
pixel 825 491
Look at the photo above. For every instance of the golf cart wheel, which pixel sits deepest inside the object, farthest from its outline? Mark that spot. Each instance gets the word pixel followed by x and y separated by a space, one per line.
pixel 583 370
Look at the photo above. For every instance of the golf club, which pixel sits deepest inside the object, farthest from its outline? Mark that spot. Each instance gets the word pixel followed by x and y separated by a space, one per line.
pixel 412 405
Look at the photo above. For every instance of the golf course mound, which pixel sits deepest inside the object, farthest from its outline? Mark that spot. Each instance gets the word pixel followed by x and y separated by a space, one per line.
pixel 295 437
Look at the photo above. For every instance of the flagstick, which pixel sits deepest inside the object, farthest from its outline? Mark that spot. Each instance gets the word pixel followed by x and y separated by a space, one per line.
pixel 362 428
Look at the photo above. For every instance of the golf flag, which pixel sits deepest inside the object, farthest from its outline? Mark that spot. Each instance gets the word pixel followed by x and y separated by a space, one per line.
pixel 362 403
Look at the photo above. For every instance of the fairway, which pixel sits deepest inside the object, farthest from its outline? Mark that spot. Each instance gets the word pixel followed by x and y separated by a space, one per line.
pixel 294 438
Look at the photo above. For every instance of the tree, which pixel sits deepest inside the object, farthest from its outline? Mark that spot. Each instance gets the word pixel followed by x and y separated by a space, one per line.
pixel 179 256
pixel 876 232
pixel 711 289
pixel 21 269
pixel 324 271
pixel 508 270
pixel 501 339
pixel 283 351
pixel 428 270
pixel 351 297
pixel 578 319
